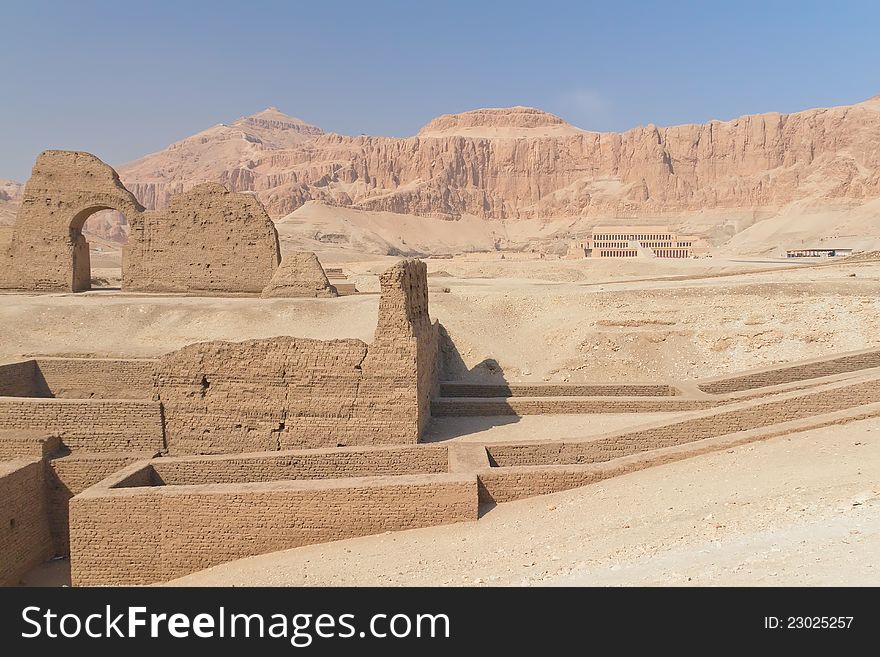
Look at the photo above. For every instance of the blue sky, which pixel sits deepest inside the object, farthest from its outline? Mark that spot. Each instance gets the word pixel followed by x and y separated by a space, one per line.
pixel 121 79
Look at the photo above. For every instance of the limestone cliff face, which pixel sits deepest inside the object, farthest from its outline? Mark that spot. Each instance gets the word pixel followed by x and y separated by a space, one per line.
pixel 521 163
pixel 227 154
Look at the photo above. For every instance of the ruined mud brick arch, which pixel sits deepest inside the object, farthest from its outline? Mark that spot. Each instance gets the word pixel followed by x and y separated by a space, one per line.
pixel 207 240
pixel 48 251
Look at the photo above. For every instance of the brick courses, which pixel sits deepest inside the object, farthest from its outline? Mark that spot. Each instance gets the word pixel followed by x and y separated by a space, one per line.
pixel 146 534
pixel 286 393
pixel 25 540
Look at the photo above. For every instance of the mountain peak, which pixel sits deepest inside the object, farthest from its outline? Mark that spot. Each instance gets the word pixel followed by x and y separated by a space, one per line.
pixel 499 122
pixel 274 119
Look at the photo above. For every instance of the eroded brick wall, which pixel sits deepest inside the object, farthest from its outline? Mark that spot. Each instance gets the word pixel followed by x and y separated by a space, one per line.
pixel 70 475
pixel 25 540
pixel 801 372
pixel 482 390
pixel 144 535
pixel 89 424
pixel 78 378
pixel 299 275
pixel 207 240
pixel 311 464
pixel 742 417
pixel 288 393
pixel 406 342
pixel 22 380
pixel 15 443
pixel 563 405
pixel 100 378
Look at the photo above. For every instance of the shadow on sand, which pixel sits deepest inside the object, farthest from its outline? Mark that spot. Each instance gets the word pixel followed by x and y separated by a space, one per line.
pixel 453 368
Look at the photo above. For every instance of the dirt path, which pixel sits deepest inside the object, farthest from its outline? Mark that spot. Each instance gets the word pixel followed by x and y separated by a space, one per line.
pixel 801 509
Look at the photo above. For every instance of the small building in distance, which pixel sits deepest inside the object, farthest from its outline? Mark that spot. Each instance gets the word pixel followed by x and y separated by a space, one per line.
pixel 635 241
pixel 817 253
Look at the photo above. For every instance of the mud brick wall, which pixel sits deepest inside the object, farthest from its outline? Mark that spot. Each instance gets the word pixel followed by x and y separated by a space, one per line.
pixel 455 389
pixel 89 424
pixel 146 535
pixel 101 378
pixel 336 463
pixel 288 393
pixel 464 406
pixel 406 342
pixel 743 417
pixel 513 483
pixel 25 540
pixel 207 240
pixel 70 475
pixel 810 370
pixel 508 484
pixel 222 397
pixel 22 380
pixel 15 443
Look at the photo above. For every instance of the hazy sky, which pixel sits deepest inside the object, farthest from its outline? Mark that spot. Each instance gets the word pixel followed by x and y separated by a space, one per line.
pixel 121 79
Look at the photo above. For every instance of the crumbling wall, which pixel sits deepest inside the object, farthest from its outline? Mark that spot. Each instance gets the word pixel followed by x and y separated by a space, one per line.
pixel 78 378
pixel 25 540
pixel 805 371
pixel 261 395
pixel 48 251
pixel 743 416
pixel 89 424
pixel 406 341
pixel 207 240
pixel 286 393
pixel 299 275
pixel 70 475
pixel 97 378
pixel 331 463
pixel 22 379
pixel 15 443
pixel 142 535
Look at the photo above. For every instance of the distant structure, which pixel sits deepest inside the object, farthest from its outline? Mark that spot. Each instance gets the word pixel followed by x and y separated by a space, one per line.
pixel 340 281
pixel 635 241
pixel 817 253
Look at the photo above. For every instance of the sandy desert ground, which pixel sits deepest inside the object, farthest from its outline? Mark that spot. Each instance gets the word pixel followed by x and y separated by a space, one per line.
pixel 802 509
pixel 515 319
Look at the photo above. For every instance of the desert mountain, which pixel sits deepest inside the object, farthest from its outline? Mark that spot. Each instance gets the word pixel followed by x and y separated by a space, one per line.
pixel 753 183
pixel 229 154
pixel 10 195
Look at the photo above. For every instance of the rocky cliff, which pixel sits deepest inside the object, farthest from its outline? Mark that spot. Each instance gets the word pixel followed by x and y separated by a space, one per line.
pixel 516 164
pixel 520 163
